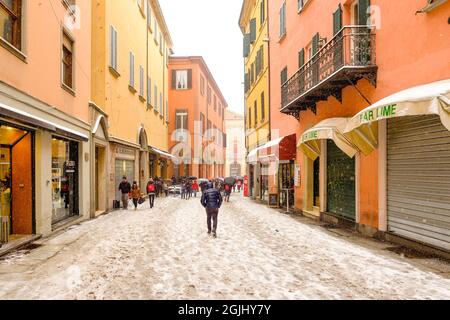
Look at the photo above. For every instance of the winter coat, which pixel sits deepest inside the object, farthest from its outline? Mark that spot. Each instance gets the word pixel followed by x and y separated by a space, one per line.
pixel 212 198
pixel 125 187
pixel 136 193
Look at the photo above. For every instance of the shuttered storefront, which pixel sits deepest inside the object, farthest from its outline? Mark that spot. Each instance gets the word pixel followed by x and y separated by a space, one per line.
pixel 123 168
pixel 341 195
pixel 418 200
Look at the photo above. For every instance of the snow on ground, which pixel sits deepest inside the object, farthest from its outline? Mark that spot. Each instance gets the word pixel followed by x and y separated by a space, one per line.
pixel 165 253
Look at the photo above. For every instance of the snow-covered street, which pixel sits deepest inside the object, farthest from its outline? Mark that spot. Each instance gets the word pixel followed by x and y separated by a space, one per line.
pixel 260 253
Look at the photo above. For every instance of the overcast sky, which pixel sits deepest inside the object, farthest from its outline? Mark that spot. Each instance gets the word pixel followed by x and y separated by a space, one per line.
pixel 209 28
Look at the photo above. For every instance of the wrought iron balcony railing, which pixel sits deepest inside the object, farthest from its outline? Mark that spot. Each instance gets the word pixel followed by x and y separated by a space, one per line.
pixel 346 58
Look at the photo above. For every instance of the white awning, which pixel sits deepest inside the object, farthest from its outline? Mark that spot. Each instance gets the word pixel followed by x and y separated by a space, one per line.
pixel 432 98
pixel 40 122
pixel 332 129
pixel 163 154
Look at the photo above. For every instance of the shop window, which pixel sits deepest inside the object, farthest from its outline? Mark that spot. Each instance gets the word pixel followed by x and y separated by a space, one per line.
pixel 64 179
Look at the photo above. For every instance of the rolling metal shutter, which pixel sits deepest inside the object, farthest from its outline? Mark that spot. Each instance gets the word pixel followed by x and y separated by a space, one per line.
pixel 418 195
pixel 341 194
pixel 123 168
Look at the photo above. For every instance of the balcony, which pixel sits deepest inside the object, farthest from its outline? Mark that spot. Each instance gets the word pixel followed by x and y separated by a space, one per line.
pixel 348 57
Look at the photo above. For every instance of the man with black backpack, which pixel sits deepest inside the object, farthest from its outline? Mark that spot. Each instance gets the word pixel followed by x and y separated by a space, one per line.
pixel 212 201
pixel 151 191
pixel 125 189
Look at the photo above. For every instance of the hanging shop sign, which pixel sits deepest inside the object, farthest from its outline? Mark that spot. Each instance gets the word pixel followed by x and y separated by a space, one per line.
pixel 70 166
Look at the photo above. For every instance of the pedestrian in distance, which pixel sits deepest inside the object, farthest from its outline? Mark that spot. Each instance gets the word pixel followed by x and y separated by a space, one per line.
pixel 188 189
pixel 195 188
pixel 212 201
pixel 183 189
pixel 239 186
pixel 135 194
pixel 227 192
pixel 125 189
pixel 151 189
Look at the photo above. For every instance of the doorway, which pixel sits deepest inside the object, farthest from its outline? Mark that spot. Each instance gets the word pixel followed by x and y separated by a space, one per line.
pixel 100 179
pixel 16 180
pixel 316 183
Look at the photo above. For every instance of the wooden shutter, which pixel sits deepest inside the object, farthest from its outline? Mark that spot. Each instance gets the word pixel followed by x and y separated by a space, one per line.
pixel 363 14
pixel 263 11
pixel 337 20
pixel 315 44
pixel 246 44
pixel 189 72
pixel 263 111
pixel 253 30
pixel 301 58
pixel 174 79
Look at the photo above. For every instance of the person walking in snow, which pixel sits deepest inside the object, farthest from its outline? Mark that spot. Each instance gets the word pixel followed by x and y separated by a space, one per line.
pixel 135 194
pixel 227 192
pixel 125 189
pixel 212 201
pixel 151 189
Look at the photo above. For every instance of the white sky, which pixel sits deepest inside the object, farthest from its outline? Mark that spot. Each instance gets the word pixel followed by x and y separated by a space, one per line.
pixel 209 28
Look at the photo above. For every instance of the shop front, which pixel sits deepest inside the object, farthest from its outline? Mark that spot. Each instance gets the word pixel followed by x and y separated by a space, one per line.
pixel 411 130
pixel 124 166
pixel 159 162
pixel 330 161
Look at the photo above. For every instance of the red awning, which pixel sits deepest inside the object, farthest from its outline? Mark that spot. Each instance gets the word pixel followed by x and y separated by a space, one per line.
pixel 282 148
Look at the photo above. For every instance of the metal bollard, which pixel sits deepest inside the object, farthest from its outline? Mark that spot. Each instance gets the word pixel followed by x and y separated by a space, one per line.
pixel 4 229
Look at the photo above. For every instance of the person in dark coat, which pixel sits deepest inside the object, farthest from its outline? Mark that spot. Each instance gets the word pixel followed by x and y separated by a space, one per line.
pixel 125 189
pixel 212 201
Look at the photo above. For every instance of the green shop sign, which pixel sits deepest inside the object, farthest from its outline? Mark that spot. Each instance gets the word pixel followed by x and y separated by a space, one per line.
pixel 312 135
pixel 381 112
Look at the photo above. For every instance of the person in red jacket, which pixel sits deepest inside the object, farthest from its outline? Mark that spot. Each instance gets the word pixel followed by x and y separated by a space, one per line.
pixel 195 188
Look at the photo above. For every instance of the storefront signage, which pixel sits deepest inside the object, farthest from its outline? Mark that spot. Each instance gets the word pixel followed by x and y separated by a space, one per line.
pixel 297 175
pixel 122 150
pixel 381 112
pixel 311 135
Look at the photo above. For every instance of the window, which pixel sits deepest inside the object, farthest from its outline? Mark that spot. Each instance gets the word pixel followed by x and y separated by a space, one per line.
pixel 67 61
pixel 156 98
pixel 259 61
pixel 202 85
pixel 141 81
pixel 284 75
pixel 149 90
pixel 300 4
pixel 262 11
pixel 337 20
pixel 249 117
pixel 182 79
pixel 167 111
pixel 255 112
pixel 301 58
pixel 215 103
pixel 161 104
pixel 113 48
pixel 220 109
pixel 11 21
pixel 181 120
pixel 149 15
pixel 203 122
pixel 155 27
pixel 160 44
pixel 252 73
pixel 263 111
pixel 131 83
pixel 283 20
pixel 208 93
pixel 253 30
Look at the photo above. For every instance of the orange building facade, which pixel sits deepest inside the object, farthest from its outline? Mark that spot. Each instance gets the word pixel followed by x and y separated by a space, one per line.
pixel 197 120
pixel 44 115
pixel 323 75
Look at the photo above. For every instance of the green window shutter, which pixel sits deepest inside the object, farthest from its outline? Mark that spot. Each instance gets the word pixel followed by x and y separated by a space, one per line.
pixel 284 75
pixel 363 14
pixel 315 44
pixel 246 44
pixel 337 20
pixel 263 11
pixel 263 104
pixel 253 30
pixel 301 58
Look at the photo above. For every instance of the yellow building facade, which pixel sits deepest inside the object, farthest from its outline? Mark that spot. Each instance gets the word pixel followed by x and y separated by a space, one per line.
pixel 254 26
pixel 131 45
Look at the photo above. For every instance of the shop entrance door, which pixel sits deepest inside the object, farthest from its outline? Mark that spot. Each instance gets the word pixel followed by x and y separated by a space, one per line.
pixel 341 191
pixel 316 200
pixel 16 179
pixel 123 168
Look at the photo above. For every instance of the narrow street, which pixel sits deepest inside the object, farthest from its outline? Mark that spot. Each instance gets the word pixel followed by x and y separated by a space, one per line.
pixel 260 253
